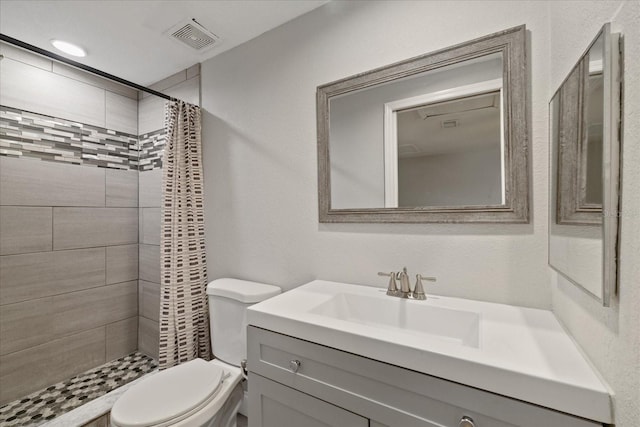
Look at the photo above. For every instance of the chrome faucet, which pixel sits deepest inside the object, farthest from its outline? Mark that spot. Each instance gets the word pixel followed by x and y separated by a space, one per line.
pixel 405 290
pixel 405 286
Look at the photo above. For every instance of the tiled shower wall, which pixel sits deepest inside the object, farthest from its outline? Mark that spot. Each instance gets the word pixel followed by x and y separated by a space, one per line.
pixel 75 164
pixel 184 85
pixel 68 222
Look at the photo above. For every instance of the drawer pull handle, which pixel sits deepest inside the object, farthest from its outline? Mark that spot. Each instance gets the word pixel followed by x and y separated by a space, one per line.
pixel 294 365
pixel 466 422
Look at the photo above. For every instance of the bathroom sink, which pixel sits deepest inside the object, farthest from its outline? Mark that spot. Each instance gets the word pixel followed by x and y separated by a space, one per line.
pixel 404 316
pixel 519 352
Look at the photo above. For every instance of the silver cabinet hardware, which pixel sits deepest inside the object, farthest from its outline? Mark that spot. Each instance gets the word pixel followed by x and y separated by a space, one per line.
pixel 418 290
pixel 392 288
pixel 243 366
pixel 294 365
pixel 466 422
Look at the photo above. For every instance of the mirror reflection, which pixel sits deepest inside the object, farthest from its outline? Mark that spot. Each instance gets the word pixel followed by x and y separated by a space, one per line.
pixel 575 250
pixel 580 112
pixel 584 171
pixel 432 139
pixel 449 153
pixel 591 191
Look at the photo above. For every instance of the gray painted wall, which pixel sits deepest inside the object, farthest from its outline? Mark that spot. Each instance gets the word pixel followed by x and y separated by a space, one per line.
pixel 260 161
pixel 470 177
pixel 609 336
pixel 261 182
pixel 357 131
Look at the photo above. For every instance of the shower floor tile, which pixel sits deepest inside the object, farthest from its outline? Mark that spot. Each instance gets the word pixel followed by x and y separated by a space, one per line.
pixel 53 401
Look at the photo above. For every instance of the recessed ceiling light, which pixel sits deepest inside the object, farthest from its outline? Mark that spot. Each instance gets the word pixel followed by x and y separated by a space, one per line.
pixel 68 48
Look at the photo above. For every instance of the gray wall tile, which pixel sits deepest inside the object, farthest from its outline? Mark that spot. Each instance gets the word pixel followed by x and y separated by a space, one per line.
pixel 150 114
pixel 38 183
pixel 168 82
pixel 121 188
pixel 148 337
pixel 25 324
pixel 150 189
pixel 25 229
pixel 92 79
pixel 91 227
pixel 35 322
pixel 29 370
pixel 149 300
pixel 122 338
pixel 78 311
pixel 121 113
pixel 150 226
pixel 34 89
pixel 193 71
pixel 122 263
pixel 188 91
pixel 149 260
pixel 28 276
pixel 9 51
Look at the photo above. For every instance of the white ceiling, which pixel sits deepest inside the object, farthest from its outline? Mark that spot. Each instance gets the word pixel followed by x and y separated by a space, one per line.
pixel 126 38
pixel 421 131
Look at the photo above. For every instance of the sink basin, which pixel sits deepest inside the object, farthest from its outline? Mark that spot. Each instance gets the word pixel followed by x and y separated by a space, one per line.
pixel 404 317
pixel 519 352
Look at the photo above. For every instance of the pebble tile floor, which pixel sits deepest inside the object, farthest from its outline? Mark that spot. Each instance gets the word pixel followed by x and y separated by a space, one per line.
pixel 44 405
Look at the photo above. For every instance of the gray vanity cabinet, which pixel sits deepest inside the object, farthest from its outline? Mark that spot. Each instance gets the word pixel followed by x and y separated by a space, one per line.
pixel 280 406
pixel 297 383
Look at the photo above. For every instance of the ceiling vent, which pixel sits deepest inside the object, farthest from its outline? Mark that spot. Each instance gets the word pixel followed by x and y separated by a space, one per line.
pixel 194 35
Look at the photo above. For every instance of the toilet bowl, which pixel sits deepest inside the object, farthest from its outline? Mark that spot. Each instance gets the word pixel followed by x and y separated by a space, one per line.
pixel 196 393
pixel 199 393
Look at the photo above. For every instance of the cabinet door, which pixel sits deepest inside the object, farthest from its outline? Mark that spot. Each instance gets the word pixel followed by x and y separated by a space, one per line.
pixel 388 395
pixel 274 405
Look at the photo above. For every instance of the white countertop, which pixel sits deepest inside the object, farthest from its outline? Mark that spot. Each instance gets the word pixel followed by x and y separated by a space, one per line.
pixel 522 353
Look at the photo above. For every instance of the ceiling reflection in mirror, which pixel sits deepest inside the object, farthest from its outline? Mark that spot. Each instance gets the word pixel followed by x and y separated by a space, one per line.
pixel 455 144
pixel 431 139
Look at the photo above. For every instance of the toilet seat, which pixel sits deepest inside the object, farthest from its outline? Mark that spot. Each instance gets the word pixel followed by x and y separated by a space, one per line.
pixel 169 396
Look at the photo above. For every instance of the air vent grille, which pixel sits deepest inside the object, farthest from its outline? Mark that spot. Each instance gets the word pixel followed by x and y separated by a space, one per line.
pixel 193 35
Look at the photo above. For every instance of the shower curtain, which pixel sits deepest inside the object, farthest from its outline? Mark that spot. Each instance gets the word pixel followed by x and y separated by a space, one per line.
pixel 184 314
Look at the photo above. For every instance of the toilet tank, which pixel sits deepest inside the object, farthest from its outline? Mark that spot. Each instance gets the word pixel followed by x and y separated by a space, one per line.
pixel 228 302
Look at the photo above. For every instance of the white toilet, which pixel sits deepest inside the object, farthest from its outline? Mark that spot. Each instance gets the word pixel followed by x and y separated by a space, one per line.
pixel 199 393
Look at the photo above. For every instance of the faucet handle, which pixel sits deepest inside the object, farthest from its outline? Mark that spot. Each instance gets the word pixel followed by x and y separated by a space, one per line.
pixel 392 288
pixel 418 290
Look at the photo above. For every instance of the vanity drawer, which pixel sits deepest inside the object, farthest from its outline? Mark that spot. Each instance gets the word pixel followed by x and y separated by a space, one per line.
pixel 389 395
pixel 277 406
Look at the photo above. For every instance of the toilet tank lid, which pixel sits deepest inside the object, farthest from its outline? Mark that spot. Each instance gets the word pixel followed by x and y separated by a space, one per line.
pixel 242 290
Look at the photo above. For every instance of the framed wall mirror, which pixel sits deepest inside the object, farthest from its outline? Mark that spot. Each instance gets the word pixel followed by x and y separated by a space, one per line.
pixel 584 124
pixel 437 138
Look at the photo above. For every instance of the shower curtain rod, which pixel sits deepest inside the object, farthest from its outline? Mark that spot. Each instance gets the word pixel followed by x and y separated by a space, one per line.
pixel 75 64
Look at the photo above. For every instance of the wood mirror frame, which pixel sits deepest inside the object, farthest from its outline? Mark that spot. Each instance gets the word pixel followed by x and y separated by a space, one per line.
pixel 511 43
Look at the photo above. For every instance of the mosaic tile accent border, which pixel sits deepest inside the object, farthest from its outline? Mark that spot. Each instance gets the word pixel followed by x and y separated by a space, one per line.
pixel 44 405
pixel 27 134
pixel 151 149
